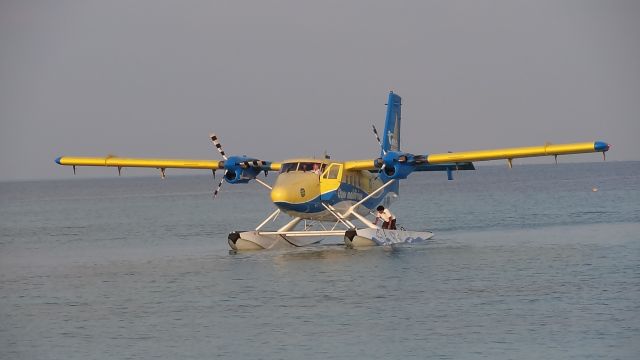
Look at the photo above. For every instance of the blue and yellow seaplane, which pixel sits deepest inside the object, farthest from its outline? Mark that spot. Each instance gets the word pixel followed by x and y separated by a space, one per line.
pixel 335 194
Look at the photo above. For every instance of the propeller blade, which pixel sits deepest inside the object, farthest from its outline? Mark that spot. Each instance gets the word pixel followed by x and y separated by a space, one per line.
pixel 215 193
pixel 380 172
pixel 378 138
pixel 216 143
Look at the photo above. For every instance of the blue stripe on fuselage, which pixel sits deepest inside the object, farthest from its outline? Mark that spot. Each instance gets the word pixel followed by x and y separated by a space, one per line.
pixel 346 192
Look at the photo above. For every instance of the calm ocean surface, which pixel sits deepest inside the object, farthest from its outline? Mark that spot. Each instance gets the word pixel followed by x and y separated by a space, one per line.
pixel 527 263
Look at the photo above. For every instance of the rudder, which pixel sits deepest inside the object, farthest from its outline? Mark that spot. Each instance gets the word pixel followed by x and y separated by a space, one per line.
pixel 391 135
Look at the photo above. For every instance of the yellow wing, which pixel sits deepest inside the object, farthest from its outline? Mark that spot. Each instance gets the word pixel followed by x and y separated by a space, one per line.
pixel 114 161
pixel 494 154
pixel 368 164
pixel 518 152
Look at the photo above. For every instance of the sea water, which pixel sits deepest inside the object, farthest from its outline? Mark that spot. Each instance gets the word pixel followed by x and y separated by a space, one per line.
pixel 536 262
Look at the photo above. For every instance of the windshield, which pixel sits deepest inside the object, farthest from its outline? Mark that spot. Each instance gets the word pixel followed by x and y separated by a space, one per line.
pixel 303 167
pixel 288 167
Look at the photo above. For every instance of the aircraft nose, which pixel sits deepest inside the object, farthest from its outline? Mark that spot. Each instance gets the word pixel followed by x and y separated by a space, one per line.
pixel 280 194
pixel 295 188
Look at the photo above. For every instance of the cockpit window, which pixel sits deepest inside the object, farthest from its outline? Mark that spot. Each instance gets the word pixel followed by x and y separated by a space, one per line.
pixel 288 167
pixel 304 167
pixel 318 168
pixel 310 166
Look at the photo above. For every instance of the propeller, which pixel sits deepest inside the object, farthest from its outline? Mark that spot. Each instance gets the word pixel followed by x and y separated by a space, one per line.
pixel 378 138
pixel 380 171
pixel 218 146
pixel 215 193
pixel 399 163
pixel 237 169
pixel 375 132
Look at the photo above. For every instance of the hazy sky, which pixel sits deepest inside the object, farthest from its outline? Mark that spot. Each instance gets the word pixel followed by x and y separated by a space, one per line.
pixel 280 79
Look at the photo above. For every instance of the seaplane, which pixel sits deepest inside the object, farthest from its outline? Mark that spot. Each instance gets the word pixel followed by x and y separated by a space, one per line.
pixel 327 198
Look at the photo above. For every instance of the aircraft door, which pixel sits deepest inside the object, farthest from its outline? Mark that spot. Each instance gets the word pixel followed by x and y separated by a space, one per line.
pixel 330 181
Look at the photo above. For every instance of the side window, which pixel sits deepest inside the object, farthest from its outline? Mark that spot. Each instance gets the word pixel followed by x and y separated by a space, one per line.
pixel 332 173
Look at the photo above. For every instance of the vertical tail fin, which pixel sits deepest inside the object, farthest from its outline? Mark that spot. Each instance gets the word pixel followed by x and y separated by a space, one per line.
pixel 391 135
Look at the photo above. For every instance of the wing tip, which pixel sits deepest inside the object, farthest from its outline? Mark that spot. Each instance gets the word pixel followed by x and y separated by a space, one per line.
pixel 601 146
pixel 58 160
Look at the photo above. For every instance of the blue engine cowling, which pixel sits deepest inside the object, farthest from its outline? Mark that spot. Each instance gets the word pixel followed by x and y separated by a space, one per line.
pixel 242 169
pixel 398 165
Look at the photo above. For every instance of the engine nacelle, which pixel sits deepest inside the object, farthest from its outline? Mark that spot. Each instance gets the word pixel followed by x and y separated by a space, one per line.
pixel 397 165
pixel 241 169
